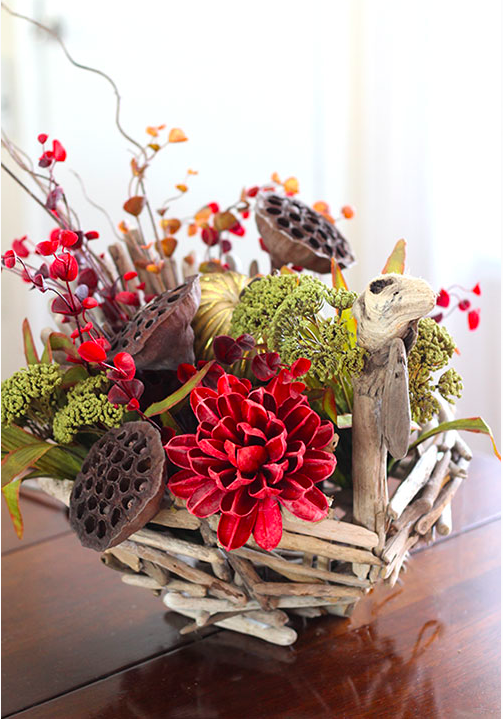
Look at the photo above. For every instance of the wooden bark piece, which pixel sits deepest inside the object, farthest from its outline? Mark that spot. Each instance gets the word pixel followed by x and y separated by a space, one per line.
pixel 396 411
pixel 414 482
pixel 444 498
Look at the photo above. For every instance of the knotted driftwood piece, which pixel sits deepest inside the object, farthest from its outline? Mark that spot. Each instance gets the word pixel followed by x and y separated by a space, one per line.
pixel 387 314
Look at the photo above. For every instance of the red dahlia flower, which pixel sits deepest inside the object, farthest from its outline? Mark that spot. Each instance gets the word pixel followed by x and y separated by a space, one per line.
pixel 253 450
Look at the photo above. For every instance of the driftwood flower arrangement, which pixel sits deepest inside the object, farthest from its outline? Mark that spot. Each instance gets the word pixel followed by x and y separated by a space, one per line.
pixel 247 446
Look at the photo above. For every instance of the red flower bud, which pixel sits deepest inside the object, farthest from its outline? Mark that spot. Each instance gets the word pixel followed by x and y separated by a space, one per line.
pixel 65 267
pixel 93 235
pixel 464 305
pixel 58 151
pixel 9 259
pixel 473 319
pixel 443 299
pixel 476 290
pixel 89 303
pixel 130 276
pixel 214 207
pixel 86 329
pixel 92 352
pixel 42 138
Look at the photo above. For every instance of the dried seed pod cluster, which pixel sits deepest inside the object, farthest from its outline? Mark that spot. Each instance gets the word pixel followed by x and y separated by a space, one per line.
pixel 293 232
pixel 120 486
pixel 160 336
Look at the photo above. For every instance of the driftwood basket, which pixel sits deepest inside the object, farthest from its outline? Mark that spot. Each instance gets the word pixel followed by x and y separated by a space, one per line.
pixel 318 568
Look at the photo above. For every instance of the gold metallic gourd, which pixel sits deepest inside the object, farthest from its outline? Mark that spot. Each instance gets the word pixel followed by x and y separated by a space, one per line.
pixel 220 293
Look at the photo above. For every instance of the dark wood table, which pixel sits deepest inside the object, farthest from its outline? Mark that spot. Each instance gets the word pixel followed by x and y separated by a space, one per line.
pixel 79 643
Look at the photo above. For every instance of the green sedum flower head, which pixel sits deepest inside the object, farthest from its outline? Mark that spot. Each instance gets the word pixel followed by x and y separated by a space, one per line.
pixel 86 407
pixel 31 392
pixel 433 350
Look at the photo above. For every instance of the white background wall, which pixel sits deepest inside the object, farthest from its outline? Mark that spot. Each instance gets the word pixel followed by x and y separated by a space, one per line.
pixel 393 107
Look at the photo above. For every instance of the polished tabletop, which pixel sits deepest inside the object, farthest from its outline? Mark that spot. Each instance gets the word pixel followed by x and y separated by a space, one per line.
pixel 78 643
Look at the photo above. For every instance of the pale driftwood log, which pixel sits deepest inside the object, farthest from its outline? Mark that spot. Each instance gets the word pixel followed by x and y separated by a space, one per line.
pixel 416 480
pixel 60 489
pixel 140 580
pixel 276 589
pixel 215 586
pixel 412 513
pixel 387 314
pixel 221 567
pixel 159 574
pixel 283 636
pixel 462 448
pixel 424 524
pixel 140 258
pixel 176 519
pixel 121 261
pixel 332 529
pixel 309 612
pixel 131 560
pixel 444 523
pixel 459 468
pixel 392 571
pixel 423 446
pixel 177 546
pixel 282 566
pixel 249 577
pixel 437 479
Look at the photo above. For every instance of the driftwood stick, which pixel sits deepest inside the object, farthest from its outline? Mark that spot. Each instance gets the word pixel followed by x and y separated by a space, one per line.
pixel 333 551
pixel 459 468
pixel 332 529
pixel 412 513
pixel 159 574
pixel 176 519
pixel 177 566
pixel 140 580
pixel 110 561
pixel 130 560
pixel 249 577
pixel 462 448
pixel 309 612
pixel 177 546
pixel 220 568
pixel 393 569
pixel 121 261
pixel 414 482
pixel 434 485
pixel 307 573
pixel 276 589
pixel 444 522
pixel 444 498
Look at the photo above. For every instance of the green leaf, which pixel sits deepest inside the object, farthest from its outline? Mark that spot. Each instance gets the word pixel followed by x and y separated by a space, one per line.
pixel 19 460
pixel 47 354
pixel 30 351
pixel 77 373
pixel 328 404
pixel 176 397
pixel 11 496
pixel 58 462
pixel 396 261
pixel 60 341
pixel 470 424
pixel 345 421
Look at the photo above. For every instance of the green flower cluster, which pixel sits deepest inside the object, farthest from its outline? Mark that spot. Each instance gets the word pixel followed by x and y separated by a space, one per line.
pixel 284 312
pixel 30 394
pixel 86 407
pixel 433 350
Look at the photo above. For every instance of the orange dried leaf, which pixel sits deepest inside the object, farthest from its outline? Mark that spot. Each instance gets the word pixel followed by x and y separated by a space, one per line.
pixel 396 261
pixel 171 225
pixel 154 146
pixel 190 259
pixel 192 230
pixel 168 245
pixel 152 131
pixel 203 215
pixel 224 221
pixel 338 280
pixel 181 187
pixel 123 227
pixel 191 172
pixel 291 185
pixel 275 178
pixel 134 205
pixel 177 135
pixel 321 207
pixel 153 268
pixel 147 247
pixel 136 169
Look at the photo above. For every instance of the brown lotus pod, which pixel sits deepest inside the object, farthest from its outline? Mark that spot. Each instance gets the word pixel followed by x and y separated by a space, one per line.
pixel 120 486
pixel 293 232
pixel 159 335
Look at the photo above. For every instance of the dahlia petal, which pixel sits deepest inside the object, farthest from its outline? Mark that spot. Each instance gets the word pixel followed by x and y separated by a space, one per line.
pixel 289 405
pixel 251 435
pixel 324 435
pixel 231 450
pixel 250 459
pixel 260 488
pixel 207 411
pixel 295 455
pixel 228 383
pixel 294 486
pixel 201 463
pixel 226 429
pixel 233 531
pixel 178 447
pixel 254 414
pixel 273 473
pixel 184 483
pixel 312 506
pixel 203 431
pixel 281 391
pixel 302 423
pixel 205 500
pixel 229 479
pixel 276 446
pixel 199 394
pixel 318 465
pixel 268 525
pixel 213 447
pixel 229 405
pixel 264 398
pixel 238 502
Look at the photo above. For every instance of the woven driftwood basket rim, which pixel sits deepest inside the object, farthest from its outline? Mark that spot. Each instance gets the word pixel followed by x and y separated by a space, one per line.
pixel 318 567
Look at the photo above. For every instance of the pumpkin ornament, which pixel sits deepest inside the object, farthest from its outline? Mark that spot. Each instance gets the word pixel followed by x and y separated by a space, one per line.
pixel 295 233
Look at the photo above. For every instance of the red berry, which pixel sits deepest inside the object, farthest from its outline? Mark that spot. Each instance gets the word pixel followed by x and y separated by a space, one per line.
pixel 214 207
pixel 464 305
pixel 473 319
pixel 42 138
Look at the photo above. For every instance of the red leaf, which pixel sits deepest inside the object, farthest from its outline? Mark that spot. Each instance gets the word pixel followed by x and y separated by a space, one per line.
pixel 443 298
pixel 92 352
pixel 58 151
